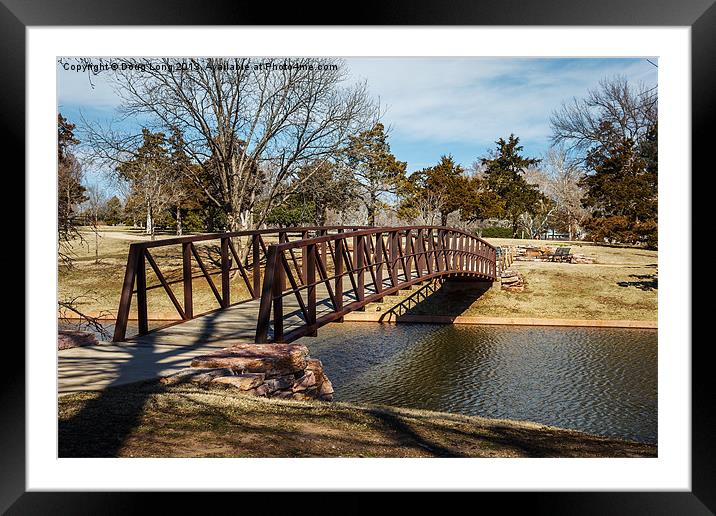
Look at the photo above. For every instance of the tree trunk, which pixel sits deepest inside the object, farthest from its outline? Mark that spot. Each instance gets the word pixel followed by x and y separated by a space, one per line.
pixel 150 222
pixel 371 209
pixel 180 230
pixel 238 220
pixel 96 241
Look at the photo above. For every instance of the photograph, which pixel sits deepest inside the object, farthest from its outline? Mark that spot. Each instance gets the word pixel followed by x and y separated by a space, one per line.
pixel 293 256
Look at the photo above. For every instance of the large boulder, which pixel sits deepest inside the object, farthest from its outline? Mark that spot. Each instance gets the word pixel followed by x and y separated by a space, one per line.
pixel 243 382
pixel 316 367
pixel 272 359
pixel 307 381
pixel 199 375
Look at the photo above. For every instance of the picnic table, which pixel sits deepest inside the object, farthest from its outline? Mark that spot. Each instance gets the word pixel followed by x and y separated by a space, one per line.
pixel 561 254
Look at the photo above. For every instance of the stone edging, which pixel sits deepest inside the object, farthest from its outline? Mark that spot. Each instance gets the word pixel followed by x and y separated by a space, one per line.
pixel 386 317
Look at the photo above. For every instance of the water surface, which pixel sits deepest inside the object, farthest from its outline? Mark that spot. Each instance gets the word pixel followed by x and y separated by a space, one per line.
pixel 598 380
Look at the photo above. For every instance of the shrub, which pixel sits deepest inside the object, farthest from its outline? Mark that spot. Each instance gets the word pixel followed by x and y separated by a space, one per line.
pixel 497 232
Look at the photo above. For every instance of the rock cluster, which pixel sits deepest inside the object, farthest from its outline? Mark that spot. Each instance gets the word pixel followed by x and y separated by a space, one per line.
pixel 512 281
pixel 580 258
pixel 270 370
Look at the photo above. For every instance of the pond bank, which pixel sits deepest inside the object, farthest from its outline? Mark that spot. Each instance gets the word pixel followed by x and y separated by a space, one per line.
pixel 151 420
pixel 391 317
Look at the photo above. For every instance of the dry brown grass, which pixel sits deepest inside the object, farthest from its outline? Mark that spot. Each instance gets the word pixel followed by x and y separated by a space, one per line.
pixel 621 284
pixel 149 420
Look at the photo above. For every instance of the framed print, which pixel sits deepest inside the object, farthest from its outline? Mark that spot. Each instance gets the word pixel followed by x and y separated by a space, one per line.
pixel 415 251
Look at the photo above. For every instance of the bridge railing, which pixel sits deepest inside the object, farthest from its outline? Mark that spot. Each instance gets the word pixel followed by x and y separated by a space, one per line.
pixel 241 256
pixel 375 261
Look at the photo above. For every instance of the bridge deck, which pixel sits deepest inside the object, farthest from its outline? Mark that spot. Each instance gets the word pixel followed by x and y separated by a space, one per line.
pixel 237 323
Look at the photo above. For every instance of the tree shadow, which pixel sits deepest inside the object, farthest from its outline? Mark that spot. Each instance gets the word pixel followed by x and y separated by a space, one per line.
pixel 105 421
pixel 646 282
pixel 403 432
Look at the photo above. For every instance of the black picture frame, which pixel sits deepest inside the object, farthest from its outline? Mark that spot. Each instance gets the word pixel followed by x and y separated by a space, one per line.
pixel 700 15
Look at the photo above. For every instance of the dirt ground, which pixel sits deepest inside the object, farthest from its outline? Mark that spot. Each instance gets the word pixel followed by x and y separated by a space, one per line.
pixel 151 420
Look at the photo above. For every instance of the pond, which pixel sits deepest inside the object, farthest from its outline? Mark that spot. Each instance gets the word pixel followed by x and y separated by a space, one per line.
pixel 602 381
pixel 599 380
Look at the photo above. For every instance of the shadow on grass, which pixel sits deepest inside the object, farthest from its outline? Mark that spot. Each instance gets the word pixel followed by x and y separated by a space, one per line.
pixel 105 421
pixel 646 282
pixel 191 421
pixel 449 297
pixel 404 432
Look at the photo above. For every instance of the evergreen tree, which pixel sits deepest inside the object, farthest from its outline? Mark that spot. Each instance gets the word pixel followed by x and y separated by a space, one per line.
pixel 433 193
pixel 70 192
pixel 504 176
pixel 376 170
pixel 112 212
pixel 621 188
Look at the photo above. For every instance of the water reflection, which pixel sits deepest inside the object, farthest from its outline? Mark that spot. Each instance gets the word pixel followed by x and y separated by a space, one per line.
pixel 603 381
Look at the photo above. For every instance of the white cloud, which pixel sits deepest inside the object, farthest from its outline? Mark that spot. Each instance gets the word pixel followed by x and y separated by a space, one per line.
pixel 475 100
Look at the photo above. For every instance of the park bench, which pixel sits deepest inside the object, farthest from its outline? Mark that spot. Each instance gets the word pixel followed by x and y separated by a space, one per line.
pixel 561 254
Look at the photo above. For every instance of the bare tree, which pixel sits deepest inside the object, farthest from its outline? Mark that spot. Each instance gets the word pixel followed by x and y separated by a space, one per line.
pixel 153 178
pixel 249 125
pixel 96 200
pixel 565 189
pixel 537 220
pixel 630 110
pixel 70 192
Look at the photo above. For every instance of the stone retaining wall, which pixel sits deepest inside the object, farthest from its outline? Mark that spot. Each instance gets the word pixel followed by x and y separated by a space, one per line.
pixel 270 370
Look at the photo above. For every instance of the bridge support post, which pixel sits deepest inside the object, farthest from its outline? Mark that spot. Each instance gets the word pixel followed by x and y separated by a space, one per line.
pixel 302 272
pixel 393 256
pixel 420 250
pixel 379 263
pixel 256 259
pixel 440 258
pixel 142 293
pixel 264 316
pixel 407 251
pixel 360 268
pixel 311 290
pixel 463 248
pixel 338 266
pixel 473 243
pixel 225 266
pixel 277 295
pixel 125 300
pixel 430 252
pixel 187 280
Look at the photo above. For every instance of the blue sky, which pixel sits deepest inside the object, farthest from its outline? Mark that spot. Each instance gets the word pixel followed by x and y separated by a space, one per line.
pixel 435 106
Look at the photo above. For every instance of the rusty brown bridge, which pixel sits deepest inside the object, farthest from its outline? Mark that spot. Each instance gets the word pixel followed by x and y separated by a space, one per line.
pixel 297 279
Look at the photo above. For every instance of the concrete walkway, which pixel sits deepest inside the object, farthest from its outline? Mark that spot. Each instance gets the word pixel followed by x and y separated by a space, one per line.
pixel 93 368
